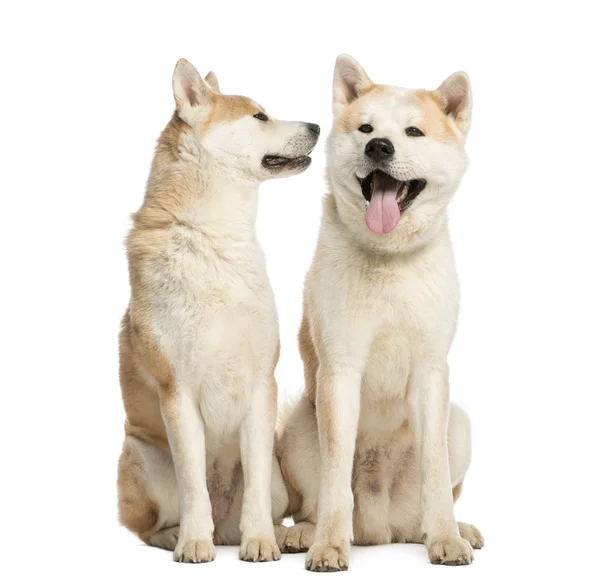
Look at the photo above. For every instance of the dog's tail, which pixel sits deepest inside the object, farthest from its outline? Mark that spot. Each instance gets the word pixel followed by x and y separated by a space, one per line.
pixel 284 409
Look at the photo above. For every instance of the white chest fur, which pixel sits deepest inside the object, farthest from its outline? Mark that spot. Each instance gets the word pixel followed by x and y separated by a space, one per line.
pixel 215 320
pixel 387 314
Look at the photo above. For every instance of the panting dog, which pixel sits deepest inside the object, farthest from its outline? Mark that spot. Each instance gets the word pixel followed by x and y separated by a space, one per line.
pixel 374 452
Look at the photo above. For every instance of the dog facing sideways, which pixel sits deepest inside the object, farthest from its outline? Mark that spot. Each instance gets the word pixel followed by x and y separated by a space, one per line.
pixel 374 452
pixel 200 341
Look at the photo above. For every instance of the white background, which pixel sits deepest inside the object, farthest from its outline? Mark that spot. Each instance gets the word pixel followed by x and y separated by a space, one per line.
pixel 87 90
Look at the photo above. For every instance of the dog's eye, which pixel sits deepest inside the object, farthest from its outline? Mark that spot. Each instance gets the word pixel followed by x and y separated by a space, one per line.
pixel 413 131
pixel 366 128
pixel 261 116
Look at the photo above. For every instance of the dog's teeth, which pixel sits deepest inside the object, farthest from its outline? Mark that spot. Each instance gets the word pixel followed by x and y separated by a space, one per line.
pixel 402 193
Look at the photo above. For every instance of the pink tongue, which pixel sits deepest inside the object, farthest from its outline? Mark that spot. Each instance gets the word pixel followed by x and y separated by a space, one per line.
pixel 383 213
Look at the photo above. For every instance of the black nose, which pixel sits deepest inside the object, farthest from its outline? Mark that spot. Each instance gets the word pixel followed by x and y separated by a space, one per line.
pixel 379 149
pixel 313 128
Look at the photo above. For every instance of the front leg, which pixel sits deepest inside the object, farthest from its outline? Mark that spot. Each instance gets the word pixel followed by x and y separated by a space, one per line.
pixel 256 443
pixel 185 430
pixel 337 404
pixel 431 409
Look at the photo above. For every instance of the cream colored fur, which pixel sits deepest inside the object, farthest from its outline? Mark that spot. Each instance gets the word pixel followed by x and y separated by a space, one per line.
pixel 200 339
pixel 374 452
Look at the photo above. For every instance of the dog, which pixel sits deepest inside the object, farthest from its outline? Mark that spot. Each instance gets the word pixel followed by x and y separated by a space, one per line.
pixel 200 341
pixel 373 452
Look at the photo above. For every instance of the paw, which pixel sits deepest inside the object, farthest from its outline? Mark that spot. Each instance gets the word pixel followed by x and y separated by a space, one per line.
pixel 471 534
pixel 194 551
pixel 280 535
pixel 449 550
pixel 166 538
pixel 259 550
pixel 325 558
pixel 299 538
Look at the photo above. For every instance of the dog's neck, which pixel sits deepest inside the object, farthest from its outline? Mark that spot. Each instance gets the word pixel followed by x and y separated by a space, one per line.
pixel 187 186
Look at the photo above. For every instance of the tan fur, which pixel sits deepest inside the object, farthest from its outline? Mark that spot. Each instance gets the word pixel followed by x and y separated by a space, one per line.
pixel 137 511
pixel 350 118
pixel 229 108
pixel 456 491
pixel 166 194
pixel 309 358
pixel 144 419
pixel 433 121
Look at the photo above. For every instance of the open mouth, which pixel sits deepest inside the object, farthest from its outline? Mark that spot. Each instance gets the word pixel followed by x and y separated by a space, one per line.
pixel 388 197
pixel 279 163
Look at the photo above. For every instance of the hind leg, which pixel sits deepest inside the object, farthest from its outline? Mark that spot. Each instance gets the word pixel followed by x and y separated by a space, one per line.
pixel 471 534
pixel 406 518
pixel 298 451
pixel 459 453
pixel 299 537
pixel 148 499
pixel 279 503
pixel 226 487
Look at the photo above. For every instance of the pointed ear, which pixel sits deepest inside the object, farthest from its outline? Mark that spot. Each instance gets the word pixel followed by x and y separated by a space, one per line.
pixel 350 81
pixel 212 81
pixel 193 96
pixel 455 99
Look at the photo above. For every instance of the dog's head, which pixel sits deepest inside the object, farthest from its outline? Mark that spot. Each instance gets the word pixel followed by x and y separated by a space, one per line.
pixel 237 132
pixel 395 156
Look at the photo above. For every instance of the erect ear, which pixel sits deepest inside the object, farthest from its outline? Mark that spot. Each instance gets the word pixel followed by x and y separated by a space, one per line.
pixel 455 99
pixel 193 96
pixel 212 81
pixel 350 81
